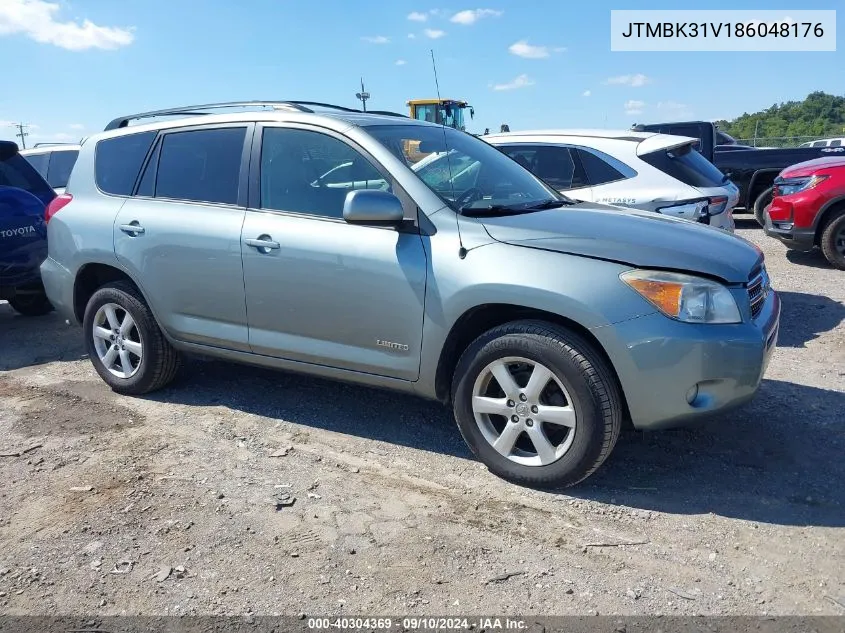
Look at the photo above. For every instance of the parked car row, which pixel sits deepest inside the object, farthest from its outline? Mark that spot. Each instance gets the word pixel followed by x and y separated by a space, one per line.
pixel 307 237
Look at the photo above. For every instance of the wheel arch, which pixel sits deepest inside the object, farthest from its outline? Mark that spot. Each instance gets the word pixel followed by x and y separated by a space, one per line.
pixel 824 215
pixel 91 277
pixel 477 320
pixel 761 180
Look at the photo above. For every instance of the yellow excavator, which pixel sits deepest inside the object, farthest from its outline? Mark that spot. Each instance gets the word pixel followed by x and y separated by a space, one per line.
pixel 448 112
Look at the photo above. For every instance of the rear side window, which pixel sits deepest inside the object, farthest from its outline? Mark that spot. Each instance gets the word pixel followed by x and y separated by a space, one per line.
pixel 598 171
pixel 61 164
pixel 118 161
pixel 40 162
pixel 201 165
pixel 687 165
pixel 836 143
pixel 558 166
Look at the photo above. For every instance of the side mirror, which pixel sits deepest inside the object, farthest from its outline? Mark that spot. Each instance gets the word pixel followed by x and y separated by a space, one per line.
pixel 373 206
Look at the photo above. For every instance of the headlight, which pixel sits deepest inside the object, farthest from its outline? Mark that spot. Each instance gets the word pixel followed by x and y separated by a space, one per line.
pixel 787 186
pixel 692 209
pixel 684 297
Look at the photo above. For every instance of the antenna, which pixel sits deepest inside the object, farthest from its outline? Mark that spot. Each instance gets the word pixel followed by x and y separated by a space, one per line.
pixel 462 252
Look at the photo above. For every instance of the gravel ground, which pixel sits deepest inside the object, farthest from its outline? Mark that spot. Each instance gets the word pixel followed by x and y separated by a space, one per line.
pixel 240 490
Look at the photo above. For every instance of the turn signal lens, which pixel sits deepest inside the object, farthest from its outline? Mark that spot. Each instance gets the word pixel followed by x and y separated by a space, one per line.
pixel 664 295
pixel 685 298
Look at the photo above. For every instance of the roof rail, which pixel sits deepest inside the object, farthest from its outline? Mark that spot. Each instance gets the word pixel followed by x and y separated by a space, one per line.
pixel 51 144
pixel 198 110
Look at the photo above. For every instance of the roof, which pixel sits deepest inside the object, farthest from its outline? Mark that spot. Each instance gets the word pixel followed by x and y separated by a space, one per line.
pixel 619 135
pixel 337 119
pixel 50 147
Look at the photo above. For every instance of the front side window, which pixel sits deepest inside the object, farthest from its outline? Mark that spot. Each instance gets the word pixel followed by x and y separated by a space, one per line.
pixel 61 164
pixel 310 172
pixel 118 161
pixel 201 165
pixel 469 174
pixel 819 143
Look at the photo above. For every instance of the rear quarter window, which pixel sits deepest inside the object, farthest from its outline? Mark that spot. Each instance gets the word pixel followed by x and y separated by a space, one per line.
pixel 598 171
pixel 118 160
pixel 687 165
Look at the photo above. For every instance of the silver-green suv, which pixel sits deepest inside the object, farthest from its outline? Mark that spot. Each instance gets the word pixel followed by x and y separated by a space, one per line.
pixel 305 237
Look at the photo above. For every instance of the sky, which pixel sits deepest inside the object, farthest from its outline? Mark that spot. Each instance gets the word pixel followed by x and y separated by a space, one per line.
pixel 73 65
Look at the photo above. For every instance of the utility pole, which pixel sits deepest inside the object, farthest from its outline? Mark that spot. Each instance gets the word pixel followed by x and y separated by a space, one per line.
pixel 22 134
pixel 363 96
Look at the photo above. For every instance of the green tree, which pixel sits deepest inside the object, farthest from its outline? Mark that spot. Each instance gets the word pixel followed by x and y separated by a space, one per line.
pixel 820 114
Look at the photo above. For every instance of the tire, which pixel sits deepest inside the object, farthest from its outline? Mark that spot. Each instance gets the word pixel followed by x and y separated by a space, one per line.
pixel 834 231
pixel 761 206
pixel 158 362
pixel 31 304
pixel 580 378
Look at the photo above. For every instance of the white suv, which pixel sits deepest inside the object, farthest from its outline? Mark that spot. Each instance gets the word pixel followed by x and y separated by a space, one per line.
pixel 54 161
pixel 644 170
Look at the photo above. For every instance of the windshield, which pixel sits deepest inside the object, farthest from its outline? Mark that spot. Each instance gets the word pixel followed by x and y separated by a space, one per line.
pixel 472 175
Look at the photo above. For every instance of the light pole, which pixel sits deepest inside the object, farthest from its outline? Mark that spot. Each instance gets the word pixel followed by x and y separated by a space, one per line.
pixel 362 96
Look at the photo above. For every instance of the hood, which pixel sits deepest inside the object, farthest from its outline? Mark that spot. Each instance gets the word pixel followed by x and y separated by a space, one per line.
pixel 630 236
pixel 810 167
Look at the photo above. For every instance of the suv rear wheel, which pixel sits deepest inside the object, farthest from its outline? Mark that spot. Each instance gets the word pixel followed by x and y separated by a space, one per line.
pixel 124 342
pixel 832 240
pixel 536 404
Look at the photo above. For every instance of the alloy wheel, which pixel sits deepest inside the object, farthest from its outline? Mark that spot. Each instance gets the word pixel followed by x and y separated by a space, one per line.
pixel 117 340
pixel 524 411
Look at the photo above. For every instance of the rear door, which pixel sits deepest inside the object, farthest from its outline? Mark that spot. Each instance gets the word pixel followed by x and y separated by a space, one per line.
pixel 179 235
pixel 23 234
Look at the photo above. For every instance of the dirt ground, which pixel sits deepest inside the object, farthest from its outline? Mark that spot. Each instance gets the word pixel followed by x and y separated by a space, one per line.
pixel 176 503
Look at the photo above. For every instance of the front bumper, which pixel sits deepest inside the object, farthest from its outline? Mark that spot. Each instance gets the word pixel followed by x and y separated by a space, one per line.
pixel 674 373
pixel 795 238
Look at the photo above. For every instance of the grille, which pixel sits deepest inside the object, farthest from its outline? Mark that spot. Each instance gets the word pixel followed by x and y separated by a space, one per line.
pixel 757 292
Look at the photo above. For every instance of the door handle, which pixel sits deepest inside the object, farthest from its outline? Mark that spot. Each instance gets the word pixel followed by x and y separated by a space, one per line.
pixel 132 229
pixel 263 243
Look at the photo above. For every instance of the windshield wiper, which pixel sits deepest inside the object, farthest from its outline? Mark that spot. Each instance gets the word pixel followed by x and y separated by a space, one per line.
pixel 489 211
pixel 551 203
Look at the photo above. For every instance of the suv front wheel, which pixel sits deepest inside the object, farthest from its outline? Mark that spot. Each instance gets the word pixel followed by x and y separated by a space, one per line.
pixel 125 344
pixel 536 404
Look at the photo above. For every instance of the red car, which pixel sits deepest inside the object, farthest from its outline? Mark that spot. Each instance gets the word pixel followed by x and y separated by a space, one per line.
pixel 808 208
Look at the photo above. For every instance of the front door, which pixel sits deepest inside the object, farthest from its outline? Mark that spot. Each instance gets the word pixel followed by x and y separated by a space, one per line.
pixel 180 235
pixel 319 290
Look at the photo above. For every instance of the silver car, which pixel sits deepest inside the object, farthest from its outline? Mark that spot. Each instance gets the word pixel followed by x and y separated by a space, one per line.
pixel 643 170
pixel 542 322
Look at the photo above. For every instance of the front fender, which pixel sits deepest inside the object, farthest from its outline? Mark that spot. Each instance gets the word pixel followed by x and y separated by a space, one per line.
pixel 580 289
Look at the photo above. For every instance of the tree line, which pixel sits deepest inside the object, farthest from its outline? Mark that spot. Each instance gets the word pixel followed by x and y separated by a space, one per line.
pixel 820 115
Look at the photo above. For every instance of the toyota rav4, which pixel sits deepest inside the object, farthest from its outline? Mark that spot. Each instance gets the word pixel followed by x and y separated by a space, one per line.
pixel 298 236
